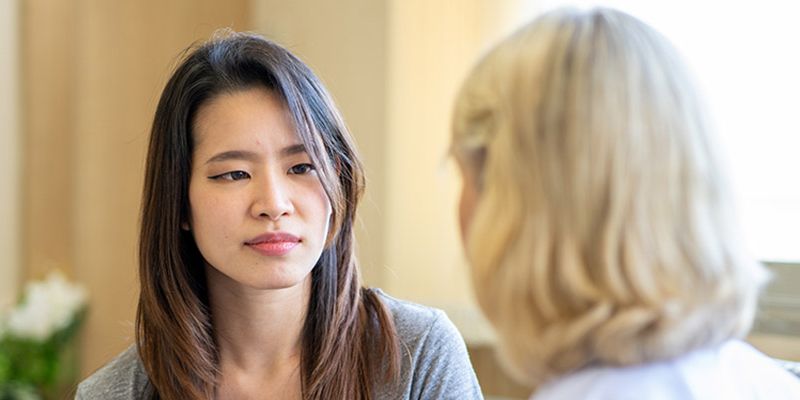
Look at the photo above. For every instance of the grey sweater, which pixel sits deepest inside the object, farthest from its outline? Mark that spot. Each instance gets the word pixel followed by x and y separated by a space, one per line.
pixel 435 363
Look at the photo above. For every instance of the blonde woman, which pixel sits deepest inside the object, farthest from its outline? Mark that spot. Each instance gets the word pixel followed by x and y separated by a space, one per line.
pixel 596 219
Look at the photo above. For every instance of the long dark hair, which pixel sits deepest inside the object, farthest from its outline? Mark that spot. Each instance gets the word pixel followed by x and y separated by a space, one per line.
pixel 349 342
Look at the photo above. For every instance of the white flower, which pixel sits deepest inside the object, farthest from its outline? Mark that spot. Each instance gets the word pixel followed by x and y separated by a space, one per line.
pixel 48 306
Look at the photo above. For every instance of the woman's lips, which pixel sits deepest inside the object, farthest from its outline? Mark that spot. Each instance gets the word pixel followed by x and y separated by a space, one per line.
pixel 274 243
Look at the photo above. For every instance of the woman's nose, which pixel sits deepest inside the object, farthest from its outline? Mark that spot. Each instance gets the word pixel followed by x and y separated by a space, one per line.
pixel 271 199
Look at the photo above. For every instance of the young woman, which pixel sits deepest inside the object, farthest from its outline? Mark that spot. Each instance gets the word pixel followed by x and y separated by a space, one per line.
pixel 249 285
pixel 597 222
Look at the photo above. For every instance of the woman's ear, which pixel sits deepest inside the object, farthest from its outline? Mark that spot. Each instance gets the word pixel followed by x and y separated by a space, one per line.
pixel 185 226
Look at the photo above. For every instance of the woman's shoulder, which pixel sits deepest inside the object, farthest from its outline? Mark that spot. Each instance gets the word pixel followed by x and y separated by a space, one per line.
pixel 122 378
pixel 753 370
pixel 420 326
pixel 733 371
pixel 435 362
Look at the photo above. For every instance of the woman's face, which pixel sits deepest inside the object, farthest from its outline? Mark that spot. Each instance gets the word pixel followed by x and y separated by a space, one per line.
pixel 258 211
pixel 468 199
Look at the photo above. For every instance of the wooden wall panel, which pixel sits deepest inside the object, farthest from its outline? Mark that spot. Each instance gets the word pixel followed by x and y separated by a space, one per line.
pixel 94 71
pixel 48 48
pixel 9 152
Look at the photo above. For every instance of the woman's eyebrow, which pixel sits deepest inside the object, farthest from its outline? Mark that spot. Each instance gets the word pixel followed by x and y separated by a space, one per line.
pixel 252 156
pixel 293 149
pixel 233 155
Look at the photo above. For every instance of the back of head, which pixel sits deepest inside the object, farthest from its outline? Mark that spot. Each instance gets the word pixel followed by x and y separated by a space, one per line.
pixel 603 233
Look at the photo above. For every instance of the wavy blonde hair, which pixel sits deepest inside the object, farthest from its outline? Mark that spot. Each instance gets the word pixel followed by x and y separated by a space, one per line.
pixel 603 232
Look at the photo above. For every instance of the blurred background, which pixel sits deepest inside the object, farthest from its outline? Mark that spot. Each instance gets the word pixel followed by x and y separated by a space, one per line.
pixel 79 82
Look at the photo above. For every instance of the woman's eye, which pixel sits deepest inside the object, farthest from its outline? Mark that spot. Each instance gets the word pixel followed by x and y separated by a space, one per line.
pixel 232 176
pixel 301 169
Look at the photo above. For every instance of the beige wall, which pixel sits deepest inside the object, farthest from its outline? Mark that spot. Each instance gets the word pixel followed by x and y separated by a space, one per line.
pixel 786 347
pixel 344 42
pixel 93 73
pixel 9 151
pixel 432 45
pixel 393 66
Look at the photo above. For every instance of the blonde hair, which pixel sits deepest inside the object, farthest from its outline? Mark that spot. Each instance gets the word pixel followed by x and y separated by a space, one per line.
pixel 603 232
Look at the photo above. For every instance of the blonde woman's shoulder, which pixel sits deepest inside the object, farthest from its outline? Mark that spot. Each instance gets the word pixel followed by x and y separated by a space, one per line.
pixel 732 371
